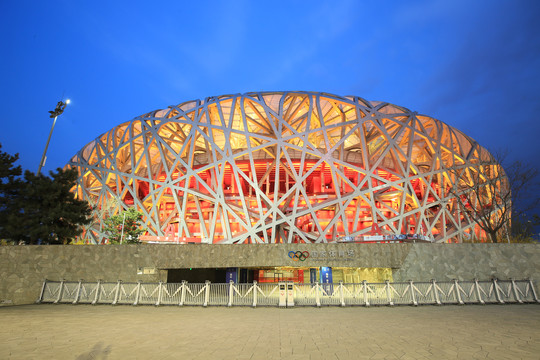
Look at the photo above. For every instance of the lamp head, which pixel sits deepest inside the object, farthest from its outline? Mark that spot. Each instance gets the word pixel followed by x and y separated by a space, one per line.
pixel 60 106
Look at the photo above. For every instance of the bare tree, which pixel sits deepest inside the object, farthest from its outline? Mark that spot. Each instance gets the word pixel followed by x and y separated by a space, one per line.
pixel 491 196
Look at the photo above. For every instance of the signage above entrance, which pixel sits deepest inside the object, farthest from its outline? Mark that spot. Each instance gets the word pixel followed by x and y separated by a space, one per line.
pixel 323 255
pixel 298 255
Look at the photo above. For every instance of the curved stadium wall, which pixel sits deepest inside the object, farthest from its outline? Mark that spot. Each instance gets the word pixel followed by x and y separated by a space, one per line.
pixel 281 167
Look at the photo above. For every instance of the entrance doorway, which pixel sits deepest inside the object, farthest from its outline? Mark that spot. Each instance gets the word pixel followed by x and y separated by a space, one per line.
pixel 196 275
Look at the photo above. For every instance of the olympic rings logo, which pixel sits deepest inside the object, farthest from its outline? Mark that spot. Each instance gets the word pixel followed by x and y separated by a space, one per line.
pixel 299 255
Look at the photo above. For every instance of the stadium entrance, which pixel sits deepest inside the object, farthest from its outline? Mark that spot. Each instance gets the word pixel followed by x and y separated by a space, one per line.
pixel 322 274
pixel 193 275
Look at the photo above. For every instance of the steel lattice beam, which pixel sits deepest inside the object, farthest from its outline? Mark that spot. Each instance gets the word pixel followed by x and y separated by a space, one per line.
pixel 280 167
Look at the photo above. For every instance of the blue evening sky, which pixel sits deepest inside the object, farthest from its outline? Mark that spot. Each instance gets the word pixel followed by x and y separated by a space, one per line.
pixel 472 64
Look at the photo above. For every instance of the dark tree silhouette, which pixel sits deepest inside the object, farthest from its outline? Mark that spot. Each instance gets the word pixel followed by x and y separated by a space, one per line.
pixel 39 209
pixel 10 186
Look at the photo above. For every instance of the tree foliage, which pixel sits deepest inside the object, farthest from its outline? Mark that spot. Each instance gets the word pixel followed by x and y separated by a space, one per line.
pixel 124 227
pixel 523 228
pixel 48 211
pixel 9 187
pixel 39 209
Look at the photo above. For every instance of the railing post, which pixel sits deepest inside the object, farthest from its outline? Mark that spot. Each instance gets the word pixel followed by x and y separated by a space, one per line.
pixel 60 291
pixel 478 293
pixel 231 293
pixel 496 289
pixel 341 298
pixel 518 299
pixel 76 300
pixel 255 290
pixel 96 296
pixel 160 293
pixel 435 293
pixel 116 293
pixel 38 301
pixel 364 285
pixel 206 293
pixel 388 293
pixel 413 295
pixel 533 291
pixel 458 293
pixel 317 295
pixel 138 293
pixel 183 293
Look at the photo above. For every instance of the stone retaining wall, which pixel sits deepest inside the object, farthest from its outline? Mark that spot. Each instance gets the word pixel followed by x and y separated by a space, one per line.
pixel 23 268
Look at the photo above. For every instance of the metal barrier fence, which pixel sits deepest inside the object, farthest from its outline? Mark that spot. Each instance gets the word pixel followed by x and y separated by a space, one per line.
pixel 289 294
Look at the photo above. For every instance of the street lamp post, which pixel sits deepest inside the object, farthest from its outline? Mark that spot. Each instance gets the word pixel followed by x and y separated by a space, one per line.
pixel 60 107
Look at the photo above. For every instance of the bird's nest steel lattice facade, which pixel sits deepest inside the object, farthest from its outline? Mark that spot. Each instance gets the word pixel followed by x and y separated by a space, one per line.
pixel 271 167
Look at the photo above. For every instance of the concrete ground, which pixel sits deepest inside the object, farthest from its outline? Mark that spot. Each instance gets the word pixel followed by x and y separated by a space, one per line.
pixel 146 332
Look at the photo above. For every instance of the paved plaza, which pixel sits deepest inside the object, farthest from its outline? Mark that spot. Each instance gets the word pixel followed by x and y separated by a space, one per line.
pixel 145 332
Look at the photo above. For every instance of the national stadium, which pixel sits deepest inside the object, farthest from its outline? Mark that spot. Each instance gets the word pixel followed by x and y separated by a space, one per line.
pixel 283 167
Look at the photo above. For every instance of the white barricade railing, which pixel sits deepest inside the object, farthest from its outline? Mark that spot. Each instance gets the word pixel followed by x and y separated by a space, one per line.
pixel 377 294
pixel 219 294
pixel 356 294
pixel 525 291
pixel 487 292
pixel 195 294
pixel 126 293
pixel 329 294
pixel 401 293
pixel 105 293
pixel 468 292
pixel 69 292
pixel 446 292
pixel 170 294
pixel 267 295
pixel 253 294
pixel 307 294
pixel 49 291
pixel 149 294
pixel 425 293
pixel 242 294
pixel 86 293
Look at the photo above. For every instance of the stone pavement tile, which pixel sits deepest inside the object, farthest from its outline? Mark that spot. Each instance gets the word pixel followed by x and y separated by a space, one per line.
pixel 482 354
pixel 315 356
pixel 299 357
pixel 531 353
pixel 299 348
pixel 241 356
pixel 286 349
pixel 378 356
pixel 310 333
pixel 469 346
pixel 410 357
pixel 418 356
pixel 443 353
pixel 520 342
pixel 367 351
pixel 343 354
pixel 362 356
pixel 420 352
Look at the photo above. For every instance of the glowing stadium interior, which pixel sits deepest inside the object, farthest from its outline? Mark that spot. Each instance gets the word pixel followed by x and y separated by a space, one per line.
pixel 291 167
